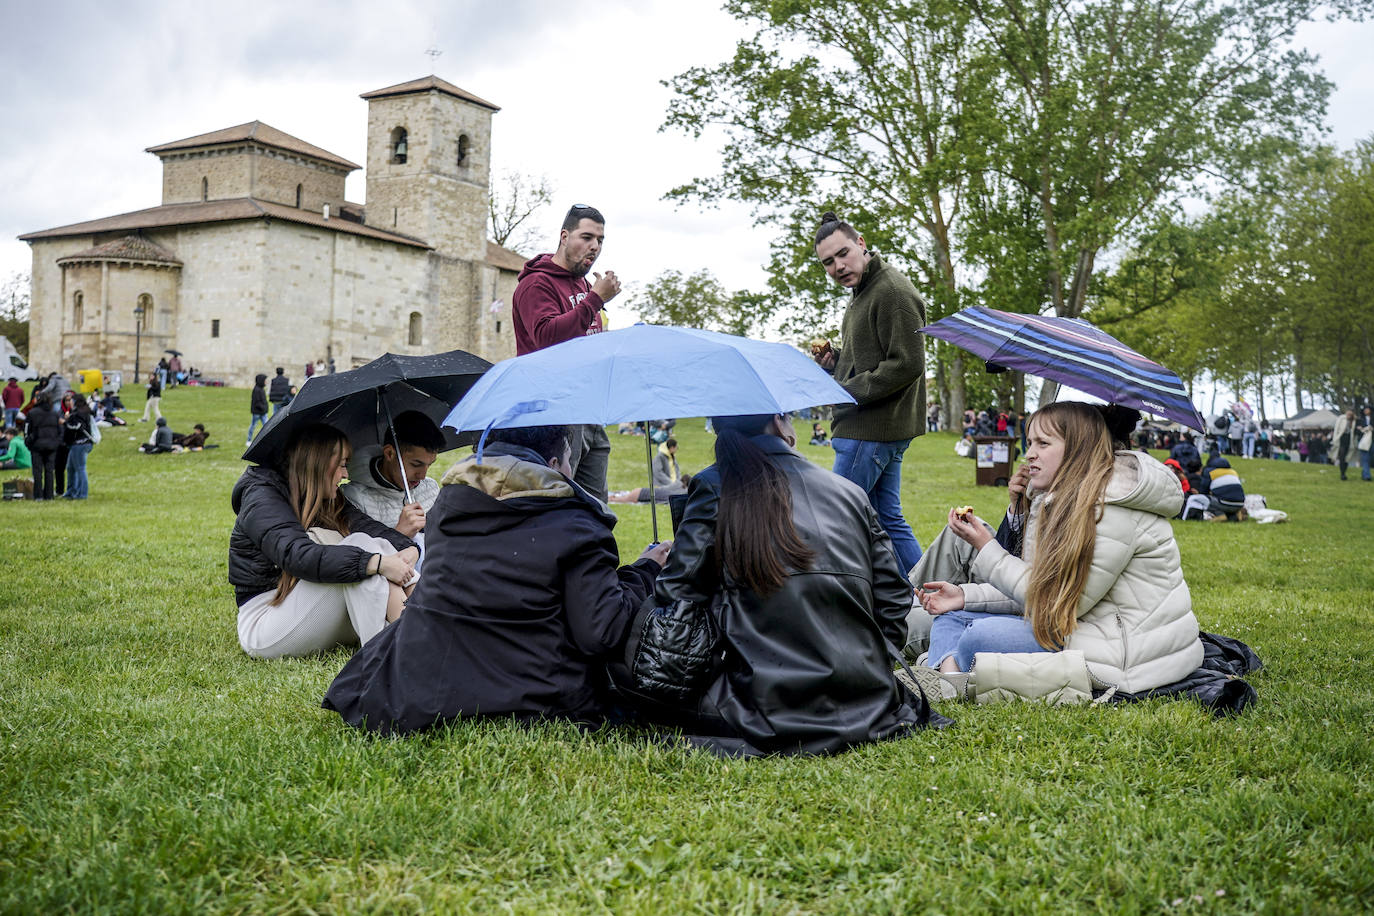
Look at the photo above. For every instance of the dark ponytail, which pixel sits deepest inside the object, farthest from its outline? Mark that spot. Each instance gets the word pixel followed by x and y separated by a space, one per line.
pixel 756 539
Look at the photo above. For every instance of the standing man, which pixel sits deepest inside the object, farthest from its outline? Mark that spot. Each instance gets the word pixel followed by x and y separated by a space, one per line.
pixel 13 401
pixel 882 364
pixel 553 302
pixel 280 392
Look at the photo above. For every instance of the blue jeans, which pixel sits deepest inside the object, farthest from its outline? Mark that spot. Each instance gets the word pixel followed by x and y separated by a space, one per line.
pixel 964 634
pixel 1364 464
pixel 877 468
pixel 259 419
pixel 78 485
pixel 11 416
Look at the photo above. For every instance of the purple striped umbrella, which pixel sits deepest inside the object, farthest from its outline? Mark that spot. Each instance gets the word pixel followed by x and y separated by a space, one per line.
pixel 1073 352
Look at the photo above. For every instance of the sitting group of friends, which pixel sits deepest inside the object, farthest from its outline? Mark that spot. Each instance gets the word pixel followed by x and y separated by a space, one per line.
pixel 523 609
pixel 1212 491
pixel 163 441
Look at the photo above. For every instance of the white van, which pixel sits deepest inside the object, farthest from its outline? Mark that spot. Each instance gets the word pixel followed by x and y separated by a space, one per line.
pixel 14 365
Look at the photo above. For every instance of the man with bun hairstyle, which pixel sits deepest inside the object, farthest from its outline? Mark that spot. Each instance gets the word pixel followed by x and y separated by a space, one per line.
pixel 553 303
pixel 881 362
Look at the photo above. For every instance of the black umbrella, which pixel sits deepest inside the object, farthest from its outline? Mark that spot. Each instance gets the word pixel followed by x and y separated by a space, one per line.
pixel 361 402
pixel 173 352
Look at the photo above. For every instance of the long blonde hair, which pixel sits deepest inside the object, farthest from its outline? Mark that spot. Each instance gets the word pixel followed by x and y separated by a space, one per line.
pixel 310 462
pixel 1067 528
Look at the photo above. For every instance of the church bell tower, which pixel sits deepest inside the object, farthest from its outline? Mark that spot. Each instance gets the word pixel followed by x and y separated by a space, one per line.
pixel 429 165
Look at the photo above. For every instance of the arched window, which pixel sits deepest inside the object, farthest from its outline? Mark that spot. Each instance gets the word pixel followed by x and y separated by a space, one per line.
pixel 463 145
pixel 399 146
pixel 145 302
pixel 204 188
pixel 78 307
pixel 416 329
pixel 298 197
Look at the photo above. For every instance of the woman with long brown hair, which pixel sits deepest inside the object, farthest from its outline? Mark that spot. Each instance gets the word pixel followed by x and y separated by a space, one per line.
pixel 1099 571
pixel 809 600
pixel 309 570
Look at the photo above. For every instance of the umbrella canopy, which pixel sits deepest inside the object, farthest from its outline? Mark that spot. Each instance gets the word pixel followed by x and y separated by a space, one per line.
pixel 645 372
pixel 361 402
pixel 173 352
pixel 1073 352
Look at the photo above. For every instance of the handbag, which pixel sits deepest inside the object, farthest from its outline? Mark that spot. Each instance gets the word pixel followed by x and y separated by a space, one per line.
pixel 1054 678
pixel 674 652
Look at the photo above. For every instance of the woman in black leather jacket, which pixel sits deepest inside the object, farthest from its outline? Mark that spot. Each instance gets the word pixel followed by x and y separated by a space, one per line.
pixel 814 601
pixel 309 570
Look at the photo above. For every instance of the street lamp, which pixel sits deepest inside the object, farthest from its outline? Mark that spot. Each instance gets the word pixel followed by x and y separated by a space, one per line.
pixel 138 337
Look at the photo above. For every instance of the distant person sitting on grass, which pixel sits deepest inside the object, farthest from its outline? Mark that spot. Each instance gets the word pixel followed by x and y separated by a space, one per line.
pixel 193 441
pixel 668 478
pixel 522 603
pixel 309 570
pixel 818 436
pixel 1221 484
pixel 375 484
pixel 160 443
pixel 1101 571
pixel 14 454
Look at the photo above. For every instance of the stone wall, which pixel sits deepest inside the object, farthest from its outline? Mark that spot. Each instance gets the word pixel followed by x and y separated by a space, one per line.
pixel 266 174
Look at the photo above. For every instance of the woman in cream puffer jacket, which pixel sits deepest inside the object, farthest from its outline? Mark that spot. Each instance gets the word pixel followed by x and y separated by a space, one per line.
pixel 1133 619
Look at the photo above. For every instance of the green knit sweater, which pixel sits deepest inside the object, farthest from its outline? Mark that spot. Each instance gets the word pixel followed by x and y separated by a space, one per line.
pixel 882 362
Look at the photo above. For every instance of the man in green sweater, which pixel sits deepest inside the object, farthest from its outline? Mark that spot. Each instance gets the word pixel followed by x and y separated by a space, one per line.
pixel 882 364
pixel 14 454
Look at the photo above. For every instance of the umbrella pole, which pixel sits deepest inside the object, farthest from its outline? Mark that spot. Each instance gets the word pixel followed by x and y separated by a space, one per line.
pixel 400 462
pixel 649 460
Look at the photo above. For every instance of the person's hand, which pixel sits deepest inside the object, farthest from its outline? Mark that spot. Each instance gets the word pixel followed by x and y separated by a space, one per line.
pixel 412 520
pixel 658 553
pixel 826 359
pixel 940 597
pixel 398 567
pixel 607 285
pixel 1016 489
pixel 970 529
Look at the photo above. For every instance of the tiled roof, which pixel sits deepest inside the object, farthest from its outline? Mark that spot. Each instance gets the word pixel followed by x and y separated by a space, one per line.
pixel 129 248
pixel 254 132
pixel 218 211
pixel 425 84
pixel 504 258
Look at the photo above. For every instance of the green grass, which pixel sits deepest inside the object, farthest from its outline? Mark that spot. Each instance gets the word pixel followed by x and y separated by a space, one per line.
pixel 147 765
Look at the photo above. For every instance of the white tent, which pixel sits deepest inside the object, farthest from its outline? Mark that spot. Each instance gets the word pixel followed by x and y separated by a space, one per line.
pixel 1311 419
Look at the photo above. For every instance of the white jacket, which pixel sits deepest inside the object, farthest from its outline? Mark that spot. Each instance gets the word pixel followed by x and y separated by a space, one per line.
pixel 1135 619
pixel 381 500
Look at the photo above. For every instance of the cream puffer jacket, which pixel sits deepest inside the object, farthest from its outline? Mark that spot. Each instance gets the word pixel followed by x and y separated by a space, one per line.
pixel 1135 619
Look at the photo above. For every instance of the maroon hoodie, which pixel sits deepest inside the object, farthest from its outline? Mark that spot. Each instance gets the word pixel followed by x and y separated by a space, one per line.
pixel 550 306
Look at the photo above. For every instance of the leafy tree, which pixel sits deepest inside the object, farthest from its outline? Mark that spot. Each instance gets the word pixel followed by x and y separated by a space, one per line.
pixel 515 198
pixel 14 312
pixel 698 301
pixel 995 148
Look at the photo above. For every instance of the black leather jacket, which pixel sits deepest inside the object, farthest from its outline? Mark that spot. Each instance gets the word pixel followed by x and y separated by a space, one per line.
pixel 268 538
pixel 807 669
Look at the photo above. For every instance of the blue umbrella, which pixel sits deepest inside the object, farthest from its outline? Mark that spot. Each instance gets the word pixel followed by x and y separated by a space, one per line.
pixel 645 372
pixel 1073 352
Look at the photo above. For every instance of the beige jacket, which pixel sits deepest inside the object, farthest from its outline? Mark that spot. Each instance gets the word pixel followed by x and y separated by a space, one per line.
pixel 1135 619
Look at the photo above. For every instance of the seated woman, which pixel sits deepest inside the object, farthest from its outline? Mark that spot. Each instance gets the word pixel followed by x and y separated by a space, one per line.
pixel 812 601
pixel 521 605
pixel 818 436
pixel 311 572
pixel 1102 573
pixel 668 479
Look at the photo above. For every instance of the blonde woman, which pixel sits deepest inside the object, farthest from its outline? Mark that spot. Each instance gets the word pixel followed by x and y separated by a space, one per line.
pixel 1101 571
pixel 309 570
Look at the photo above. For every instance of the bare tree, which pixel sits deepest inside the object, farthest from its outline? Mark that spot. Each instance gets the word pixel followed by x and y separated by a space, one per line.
pixel 14 311
pixel 515 198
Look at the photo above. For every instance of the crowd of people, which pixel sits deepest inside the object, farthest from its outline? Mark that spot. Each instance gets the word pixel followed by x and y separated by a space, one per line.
pixel 771 623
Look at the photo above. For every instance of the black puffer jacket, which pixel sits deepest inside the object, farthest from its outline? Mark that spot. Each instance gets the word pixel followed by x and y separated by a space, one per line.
pixel 520 606
pixel 808 669
pixel 42 429
pixel 280 390
pixel 268 538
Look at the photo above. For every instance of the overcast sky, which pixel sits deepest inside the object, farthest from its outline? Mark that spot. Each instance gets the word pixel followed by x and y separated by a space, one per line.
pixel 88 86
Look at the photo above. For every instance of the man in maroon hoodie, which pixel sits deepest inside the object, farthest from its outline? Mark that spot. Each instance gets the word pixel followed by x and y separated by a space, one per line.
pixel 553 302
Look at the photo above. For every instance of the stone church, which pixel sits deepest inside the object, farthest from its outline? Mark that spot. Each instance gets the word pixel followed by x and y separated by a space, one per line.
pixel 254 258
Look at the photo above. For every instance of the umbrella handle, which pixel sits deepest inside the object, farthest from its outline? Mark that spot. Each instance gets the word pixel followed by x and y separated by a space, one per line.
pixel 649 460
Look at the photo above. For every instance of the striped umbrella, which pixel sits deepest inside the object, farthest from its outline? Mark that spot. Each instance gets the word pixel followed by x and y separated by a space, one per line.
pixel 1073 352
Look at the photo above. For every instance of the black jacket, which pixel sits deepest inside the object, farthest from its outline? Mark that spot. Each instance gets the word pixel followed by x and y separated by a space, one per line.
pixel 76 429
pixel 280 390
pixel 258 401
pixel 42 429
pixel 268 538
pixel 808 669
pixel 519 606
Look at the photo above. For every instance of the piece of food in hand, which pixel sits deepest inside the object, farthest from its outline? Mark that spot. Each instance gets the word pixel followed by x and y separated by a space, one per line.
pixel 964 512
pixel 819 346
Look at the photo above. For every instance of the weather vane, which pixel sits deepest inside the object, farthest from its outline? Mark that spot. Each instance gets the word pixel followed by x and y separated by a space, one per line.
pixel 434 54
